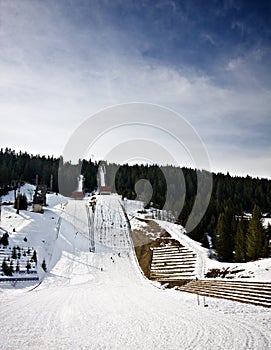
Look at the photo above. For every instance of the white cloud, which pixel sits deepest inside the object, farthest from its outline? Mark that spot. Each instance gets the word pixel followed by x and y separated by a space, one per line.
pixel 54 75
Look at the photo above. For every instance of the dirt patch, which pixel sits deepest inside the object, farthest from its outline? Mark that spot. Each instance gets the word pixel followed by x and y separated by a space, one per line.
pixel 225 273
pixel 172 284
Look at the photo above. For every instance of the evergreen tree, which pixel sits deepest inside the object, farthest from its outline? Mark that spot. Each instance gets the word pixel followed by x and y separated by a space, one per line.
pixel 21 202
pixel 17 266
pixel 5 267
pixel 4 239
pixel 268 237
pixel 34 257
pixel 28 266
pixel 43 265
pixel 11 269
pixel 256 238
pixel 240 241
pixel 224 243
pixel 14 253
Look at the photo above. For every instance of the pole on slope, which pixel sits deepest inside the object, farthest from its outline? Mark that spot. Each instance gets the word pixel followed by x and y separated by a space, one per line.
pixel 18 198
pixel 90 230
pixel 0 208
pixel 51 182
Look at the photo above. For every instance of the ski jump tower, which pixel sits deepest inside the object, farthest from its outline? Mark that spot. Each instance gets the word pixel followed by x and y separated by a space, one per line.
pixel 101 176
pixel 79 194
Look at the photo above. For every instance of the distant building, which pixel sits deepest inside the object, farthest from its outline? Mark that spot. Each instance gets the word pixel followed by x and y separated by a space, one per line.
pixel 39 199
pixel 101 180
pixel 105 189
pixel 78 195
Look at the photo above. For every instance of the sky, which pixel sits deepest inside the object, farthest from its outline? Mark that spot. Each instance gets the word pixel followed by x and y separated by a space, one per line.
pixel 63 61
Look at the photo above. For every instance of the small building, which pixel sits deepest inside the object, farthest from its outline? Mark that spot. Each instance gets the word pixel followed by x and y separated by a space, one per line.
pixel 39 199
pixel 78 195
pixel 105 189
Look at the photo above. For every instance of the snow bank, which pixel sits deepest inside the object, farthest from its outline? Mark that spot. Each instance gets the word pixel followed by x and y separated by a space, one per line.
pixel 56 200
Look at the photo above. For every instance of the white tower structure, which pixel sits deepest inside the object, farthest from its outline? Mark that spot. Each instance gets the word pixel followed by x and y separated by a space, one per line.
pixel 80 183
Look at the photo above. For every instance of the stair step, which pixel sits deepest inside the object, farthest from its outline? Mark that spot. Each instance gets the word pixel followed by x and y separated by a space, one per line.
pixel 232 296
pixel 239 286
pixel 171 279
pixel 165 248
pixel 163 273
pixel 170 258
pixel 171 268
pixel 229 297
pixel 175 266
pixel 257 293
pixel 232 292
pixel 173 263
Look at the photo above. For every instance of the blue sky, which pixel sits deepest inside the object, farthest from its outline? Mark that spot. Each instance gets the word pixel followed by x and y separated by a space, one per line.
pixel 62 61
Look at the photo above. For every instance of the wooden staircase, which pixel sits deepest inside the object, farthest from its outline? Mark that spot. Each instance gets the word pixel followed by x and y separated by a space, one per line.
pixel 256 293
pixel 172 263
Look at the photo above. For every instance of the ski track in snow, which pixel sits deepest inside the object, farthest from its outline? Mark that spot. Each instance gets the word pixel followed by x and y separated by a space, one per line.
pixel 80 306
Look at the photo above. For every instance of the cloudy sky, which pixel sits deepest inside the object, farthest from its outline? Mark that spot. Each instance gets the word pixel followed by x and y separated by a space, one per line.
pixel 63 61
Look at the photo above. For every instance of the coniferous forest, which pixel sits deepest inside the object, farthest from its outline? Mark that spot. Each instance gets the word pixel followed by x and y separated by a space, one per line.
pixel 233 236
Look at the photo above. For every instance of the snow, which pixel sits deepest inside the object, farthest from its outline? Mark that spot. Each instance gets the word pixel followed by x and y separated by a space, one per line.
pixel 101 300
pixel 266 222
pixel 132 207
pixel 27 189
pixel 56 200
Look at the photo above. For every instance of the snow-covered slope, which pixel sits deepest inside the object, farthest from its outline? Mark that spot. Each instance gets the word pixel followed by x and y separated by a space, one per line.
pixel 27 189
pixel 101 300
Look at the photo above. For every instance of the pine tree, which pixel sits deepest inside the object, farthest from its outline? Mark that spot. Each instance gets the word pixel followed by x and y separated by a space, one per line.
pixel 11 269
pixel 256 238
pixel 28 266
pixel 34 257
pixel 14 253
pixel 22 201
pixel 224 242
pixel 4 239
pixel 268 237
pixel 5 267
pixel 240 241
pixel 43 265
pixel 17 266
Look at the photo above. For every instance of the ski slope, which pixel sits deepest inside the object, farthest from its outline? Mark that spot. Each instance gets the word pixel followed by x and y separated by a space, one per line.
pixel 100 300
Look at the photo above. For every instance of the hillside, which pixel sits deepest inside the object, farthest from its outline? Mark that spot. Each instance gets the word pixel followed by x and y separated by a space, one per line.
pixel 230 196
pixel 100 299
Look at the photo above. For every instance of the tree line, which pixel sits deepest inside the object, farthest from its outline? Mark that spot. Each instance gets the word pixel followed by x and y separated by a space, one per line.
pixel 232 235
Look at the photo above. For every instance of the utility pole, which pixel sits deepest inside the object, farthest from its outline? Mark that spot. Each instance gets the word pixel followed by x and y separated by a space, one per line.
pixel 0 207
pixel 18 197
pixel 51 183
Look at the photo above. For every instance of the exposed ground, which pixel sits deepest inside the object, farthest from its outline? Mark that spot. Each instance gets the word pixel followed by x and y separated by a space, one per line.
pixel 152 235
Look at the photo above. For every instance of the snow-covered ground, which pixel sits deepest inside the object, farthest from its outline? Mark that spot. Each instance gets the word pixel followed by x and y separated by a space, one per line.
pixel 27 189
pixel 101 300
